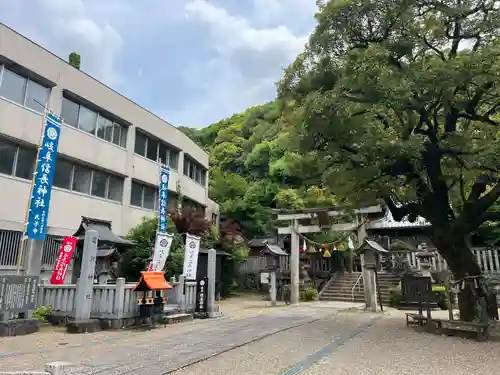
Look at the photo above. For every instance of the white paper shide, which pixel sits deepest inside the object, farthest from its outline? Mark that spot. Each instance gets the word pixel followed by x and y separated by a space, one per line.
pixel 162 249
pixel 191 250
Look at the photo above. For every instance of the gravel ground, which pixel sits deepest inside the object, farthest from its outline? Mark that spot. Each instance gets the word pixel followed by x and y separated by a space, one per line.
pixel 389 347
pixel 277 353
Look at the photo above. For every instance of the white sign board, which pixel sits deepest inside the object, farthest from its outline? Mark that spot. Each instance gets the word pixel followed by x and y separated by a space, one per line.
pixel 264 278
pixel 191 250
pixel 162 249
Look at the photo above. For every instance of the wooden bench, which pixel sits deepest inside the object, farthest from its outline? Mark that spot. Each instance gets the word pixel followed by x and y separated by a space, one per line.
pixel 481 329
pixel 413 319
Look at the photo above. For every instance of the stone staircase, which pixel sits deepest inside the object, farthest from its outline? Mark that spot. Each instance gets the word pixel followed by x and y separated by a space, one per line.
pixel 341 288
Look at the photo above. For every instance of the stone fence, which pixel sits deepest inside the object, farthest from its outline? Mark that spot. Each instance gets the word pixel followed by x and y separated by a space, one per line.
pixel 487 258
pixel 112 301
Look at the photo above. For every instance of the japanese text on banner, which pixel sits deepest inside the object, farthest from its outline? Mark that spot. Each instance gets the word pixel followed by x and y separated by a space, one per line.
pixel 44 174
pixel 162 249
pixel 63 260
pixel 191 251
pixel 163 197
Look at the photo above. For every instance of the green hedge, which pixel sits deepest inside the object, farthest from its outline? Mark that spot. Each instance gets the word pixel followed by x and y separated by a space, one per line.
pixel 309 294
pixel 440 291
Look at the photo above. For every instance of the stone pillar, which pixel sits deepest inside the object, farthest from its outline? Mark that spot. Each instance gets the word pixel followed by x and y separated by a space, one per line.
pixel 211 274
pixel 294 264
pixel 119 297
pixel 33 259
pixel 361 232
pixel 56 368
pixel 181 298
pixel 85 285
pixel 272 288
pixel 369 283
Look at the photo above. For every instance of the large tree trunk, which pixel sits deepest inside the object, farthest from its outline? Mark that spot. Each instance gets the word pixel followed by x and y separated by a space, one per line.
pixel 461 262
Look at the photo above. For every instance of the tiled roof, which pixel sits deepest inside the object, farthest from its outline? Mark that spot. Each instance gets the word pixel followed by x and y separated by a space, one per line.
pixel 388 222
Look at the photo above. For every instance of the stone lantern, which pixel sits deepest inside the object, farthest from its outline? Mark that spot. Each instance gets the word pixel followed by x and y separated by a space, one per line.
pixel 425 258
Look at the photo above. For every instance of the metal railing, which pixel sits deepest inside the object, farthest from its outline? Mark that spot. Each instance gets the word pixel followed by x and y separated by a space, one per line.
pixel 356 284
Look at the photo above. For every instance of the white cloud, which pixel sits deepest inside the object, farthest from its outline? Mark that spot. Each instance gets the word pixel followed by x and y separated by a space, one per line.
pixel 232 33
pixel 126 44
pixel 249 61
pixel 72 26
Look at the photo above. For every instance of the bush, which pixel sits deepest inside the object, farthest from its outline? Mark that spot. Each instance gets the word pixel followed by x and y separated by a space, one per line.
pixel 441 296
pixel 442 300
pixel 42 313
pixel 395 297
pixel 309 294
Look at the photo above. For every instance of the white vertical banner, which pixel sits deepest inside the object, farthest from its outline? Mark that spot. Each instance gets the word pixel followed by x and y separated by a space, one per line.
pixel 162 249
pixel 191 250
pixel 350 244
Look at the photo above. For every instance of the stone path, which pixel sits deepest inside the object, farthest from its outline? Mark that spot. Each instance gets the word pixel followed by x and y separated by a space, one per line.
pixel 158 351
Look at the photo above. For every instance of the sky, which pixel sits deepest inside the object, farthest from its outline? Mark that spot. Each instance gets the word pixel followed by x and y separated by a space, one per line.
pixel 192 62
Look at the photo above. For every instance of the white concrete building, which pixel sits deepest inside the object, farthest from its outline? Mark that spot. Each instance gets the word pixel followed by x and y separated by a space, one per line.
pixel 107 161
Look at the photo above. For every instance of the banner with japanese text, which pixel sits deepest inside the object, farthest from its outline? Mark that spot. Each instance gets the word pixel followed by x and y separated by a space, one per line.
pixel 163 197
pixel 63 260
pixel 191 251
pixel 162 249
pixel 36 227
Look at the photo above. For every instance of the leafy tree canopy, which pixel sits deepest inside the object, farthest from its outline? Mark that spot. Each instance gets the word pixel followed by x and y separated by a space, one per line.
pixel 399 99
pixel 252 169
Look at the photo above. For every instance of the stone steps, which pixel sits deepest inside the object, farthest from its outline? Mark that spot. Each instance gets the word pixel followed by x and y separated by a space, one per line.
pixel 341 288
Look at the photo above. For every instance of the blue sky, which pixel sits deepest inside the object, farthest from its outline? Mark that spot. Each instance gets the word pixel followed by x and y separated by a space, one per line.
pixel 192 62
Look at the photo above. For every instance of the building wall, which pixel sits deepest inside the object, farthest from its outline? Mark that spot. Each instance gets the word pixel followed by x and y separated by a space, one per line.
pixel 21 125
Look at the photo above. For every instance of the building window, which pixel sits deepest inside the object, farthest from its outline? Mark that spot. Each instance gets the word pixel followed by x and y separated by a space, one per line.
pixel 17 160
pixel 81 179
pixel 195 171
pixel 155 150
pixel 22 90
pixel 26 159
pixel 92 122
pixel 144 196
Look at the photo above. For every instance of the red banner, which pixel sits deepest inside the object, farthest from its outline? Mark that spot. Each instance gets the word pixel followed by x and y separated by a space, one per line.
pixel 63 260
pixel 150 265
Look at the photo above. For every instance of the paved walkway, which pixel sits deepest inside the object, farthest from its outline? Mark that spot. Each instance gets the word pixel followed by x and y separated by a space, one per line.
pixel 161 350
pixel 311 339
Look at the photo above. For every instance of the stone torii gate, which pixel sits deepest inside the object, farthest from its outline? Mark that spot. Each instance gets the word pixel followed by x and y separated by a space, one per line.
pixel 321 216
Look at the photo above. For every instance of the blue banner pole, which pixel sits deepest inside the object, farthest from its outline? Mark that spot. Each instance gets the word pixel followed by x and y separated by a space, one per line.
pixel 41 186
pixel 164 172
pixel 25 224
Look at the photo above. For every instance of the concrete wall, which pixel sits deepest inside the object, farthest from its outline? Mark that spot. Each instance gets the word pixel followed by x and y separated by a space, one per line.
pixel 23 125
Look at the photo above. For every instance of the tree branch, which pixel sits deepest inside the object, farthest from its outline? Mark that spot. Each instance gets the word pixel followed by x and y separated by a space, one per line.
pixel 398 213
pixel 490 216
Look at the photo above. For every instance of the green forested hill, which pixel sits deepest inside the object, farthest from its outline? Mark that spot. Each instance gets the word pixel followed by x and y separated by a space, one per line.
pixel 252 168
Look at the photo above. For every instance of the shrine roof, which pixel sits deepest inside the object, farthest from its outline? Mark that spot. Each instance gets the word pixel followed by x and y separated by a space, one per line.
pixel 152 281
pixel 104 232
pixel 388 222
pixel 274 250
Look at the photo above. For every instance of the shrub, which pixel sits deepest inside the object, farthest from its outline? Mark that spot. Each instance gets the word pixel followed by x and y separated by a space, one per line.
pixel 394 297
pixel 442 300
pixel 309 294
pixel 42 312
